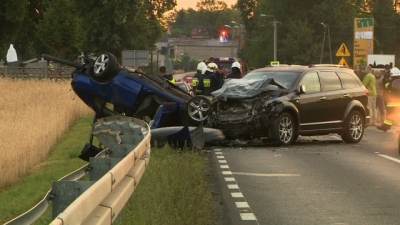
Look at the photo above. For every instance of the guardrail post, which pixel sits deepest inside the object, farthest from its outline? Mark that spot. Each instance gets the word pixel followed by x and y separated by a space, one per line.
pixel 65 192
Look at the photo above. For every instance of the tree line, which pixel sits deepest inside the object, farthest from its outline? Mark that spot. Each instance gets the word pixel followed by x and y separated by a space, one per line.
pixel 67 27
pixel 300 31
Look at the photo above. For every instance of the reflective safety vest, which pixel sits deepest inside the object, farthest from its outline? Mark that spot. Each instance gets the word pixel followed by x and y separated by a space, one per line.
pixel 195 82
pixel 173 81
pixel 207 83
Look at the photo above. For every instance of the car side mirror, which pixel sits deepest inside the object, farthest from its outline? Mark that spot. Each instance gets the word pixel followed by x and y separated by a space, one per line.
pixel 302 89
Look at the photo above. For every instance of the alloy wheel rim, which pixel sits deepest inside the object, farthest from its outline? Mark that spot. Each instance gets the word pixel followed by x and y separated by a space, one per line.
pixel 356 126
pixel 101 64
pixel 198 110
pixel 285 130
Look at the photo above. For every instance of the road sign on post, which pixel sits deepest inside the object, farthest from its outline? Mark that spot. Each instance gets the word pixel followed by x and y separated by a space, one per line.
pixel 363 41
pixel 343 51
pixel 343 62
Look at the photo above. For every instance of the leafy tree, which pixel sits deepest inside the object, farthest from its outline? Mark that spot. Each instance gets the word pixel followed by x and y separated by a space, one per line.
pixel 300 31
pixel 60 32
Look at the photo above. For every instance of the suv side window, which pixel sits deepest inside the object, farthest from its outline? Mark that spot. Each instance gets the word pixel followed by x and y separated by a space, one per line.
pixel 311 82
pixel 330 81
pixel 350 81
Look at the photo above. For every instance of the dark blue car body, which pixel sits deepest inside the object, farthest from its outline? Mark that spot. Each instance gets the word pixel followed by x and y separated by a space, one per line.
pixel 134 94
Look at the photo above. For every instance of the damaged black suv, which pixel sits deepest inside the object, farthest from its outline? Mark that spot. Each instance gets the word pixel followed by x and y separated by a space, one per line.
pixel 284 102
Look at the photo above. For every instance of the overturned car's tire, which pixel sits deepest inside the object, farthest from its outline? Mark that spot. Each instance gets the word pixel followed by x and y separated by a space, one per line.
pixel 284 130
pixel 199 108
pixel 354 126
pixel 105 68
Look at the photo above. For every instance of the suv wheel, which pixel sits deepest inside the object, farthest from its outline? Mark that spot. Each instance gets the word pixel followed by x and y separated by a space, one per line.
pixel 284 130
pixel 354 127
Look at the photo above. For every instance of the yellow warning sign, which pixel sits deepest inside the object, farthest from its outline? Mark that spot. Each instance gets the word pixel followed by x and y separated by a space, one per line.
pixel 343 51
pixel 343 62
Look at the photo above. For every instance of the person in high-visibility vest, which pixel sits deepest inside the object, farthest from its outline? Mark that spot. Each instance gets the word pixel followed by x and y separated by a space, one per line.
pixel 169 77
pixel 197 81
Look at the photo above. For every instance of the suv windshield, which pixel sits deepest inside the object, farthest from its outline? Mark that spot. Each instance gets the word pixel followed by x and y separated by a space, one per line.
pixel 287 79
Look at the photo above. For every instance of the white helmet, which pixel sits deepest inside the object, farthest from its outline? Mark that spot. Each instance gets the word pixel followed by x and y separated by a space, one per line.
pixel 212 67
pixel 236 65
pixel 202 66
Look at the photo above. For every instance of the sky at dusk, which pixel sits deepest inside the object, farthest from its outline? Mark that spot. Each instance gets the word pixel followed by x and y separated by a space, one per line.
pixel 192 3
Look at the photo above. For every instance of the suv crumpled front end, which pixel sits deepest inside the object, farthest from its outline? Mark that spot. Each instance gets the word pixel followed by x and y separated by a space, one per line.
pixel 247 113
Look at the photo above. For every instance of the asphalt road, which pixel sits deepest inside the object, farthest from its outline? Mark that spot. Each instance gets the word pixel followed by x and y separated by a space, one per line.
pixel 320 180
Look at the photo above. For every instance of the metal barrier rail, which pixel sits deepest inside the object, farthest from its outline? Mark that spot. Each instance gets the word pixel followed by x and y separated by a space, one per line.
pixel 98 202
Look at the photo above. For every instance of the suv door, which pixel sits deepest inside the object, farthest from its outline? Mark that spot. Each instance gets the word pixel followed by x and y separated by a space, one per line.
pixel 334 100
pixel 308 103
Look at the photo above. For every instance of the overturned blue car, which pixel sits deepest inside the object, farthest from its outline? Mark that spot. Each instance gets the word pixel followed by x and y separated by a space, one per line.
pixel 109 90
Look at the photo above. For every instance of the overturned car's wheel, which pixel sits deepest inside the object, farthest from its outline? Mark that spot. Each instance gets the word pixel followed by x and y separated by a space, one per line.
pixel 284 130
pixel 198 108
pixel 354 126
pixel 105 67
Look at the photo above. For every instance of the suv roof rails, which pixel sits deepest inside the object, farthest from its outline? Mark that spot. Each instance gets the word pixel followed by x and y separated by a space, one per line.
pixel 327 65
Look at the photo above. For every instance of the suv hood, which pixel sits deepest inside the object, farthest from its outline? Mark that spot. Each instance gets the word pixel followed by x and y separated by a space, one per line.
pixel 243 88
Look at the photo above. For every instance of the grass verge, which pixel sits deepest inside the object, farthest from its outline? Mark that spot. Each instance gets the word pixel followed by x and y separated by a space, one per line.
pixel 174 190
pixel 62 160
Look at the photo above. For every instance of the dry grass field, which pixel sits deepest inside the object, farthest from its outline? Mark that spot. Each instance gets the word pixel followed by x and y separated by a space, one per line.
pixel 33 117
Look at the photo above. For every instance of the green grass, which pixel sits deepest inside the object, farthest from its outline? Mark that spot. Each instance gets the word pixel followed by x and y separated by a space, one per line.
pixel 174 191
pixel 64 159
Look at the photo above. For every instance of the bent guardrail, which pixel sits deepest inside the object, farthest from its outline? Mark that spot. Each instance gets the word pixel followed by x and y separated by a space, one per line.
pixel 112 177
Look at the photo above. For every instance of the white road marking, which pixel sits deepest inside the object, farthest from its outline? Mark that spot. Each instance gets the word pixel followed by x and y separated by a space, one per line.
pixel 233 186
pixel 248 216
pixel 237 195
pixel 229 179
pixel 220 157
pixel 267 174
pixel 226 172
pixel 218 153
pixel 396 160
pixel 224 167
pixel 217 150
pixel 242 205
pixel 222 161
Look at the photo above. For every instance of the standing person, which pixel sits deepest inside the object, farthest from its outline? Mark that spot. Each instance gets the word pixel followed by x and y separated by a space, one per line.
pixel 198 79
pixel 369 82
pixel 217 78
pixel 380 99
pixel 236 73
pixel 169 77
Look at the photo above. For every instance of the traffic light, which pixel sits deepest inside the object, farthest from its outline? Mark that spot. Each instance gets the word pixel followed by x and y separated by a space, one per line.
pixel 223 35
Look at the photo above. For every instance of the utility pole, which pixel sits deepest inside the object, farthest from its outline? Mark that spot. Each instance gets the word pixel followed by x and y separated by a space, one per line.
pixel 330 44
pixel 323 44
pixel 326 28
pixel 275 24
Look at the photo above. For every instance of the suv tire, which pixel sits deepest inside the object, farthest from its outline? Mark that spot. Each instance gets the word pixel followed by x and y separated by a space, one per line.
pixel 354 126
pixel 284 130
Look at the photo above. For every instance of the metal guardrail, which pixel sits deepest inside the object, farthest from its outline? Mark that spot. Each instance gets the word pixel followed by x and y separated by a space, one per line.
pixel 113 177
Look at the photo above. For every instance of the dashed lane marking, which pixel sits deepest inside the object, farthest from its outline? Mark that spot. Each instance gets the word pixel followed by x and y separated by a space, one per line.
pixel 248 216
pixel 242 205
pixel 266 174
pixel 233 186
pixel 237 195
pixel 229 179
pixel 224 166
pixel 218 153
pixel 220 157
pixel 226 172
pixel 222 161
